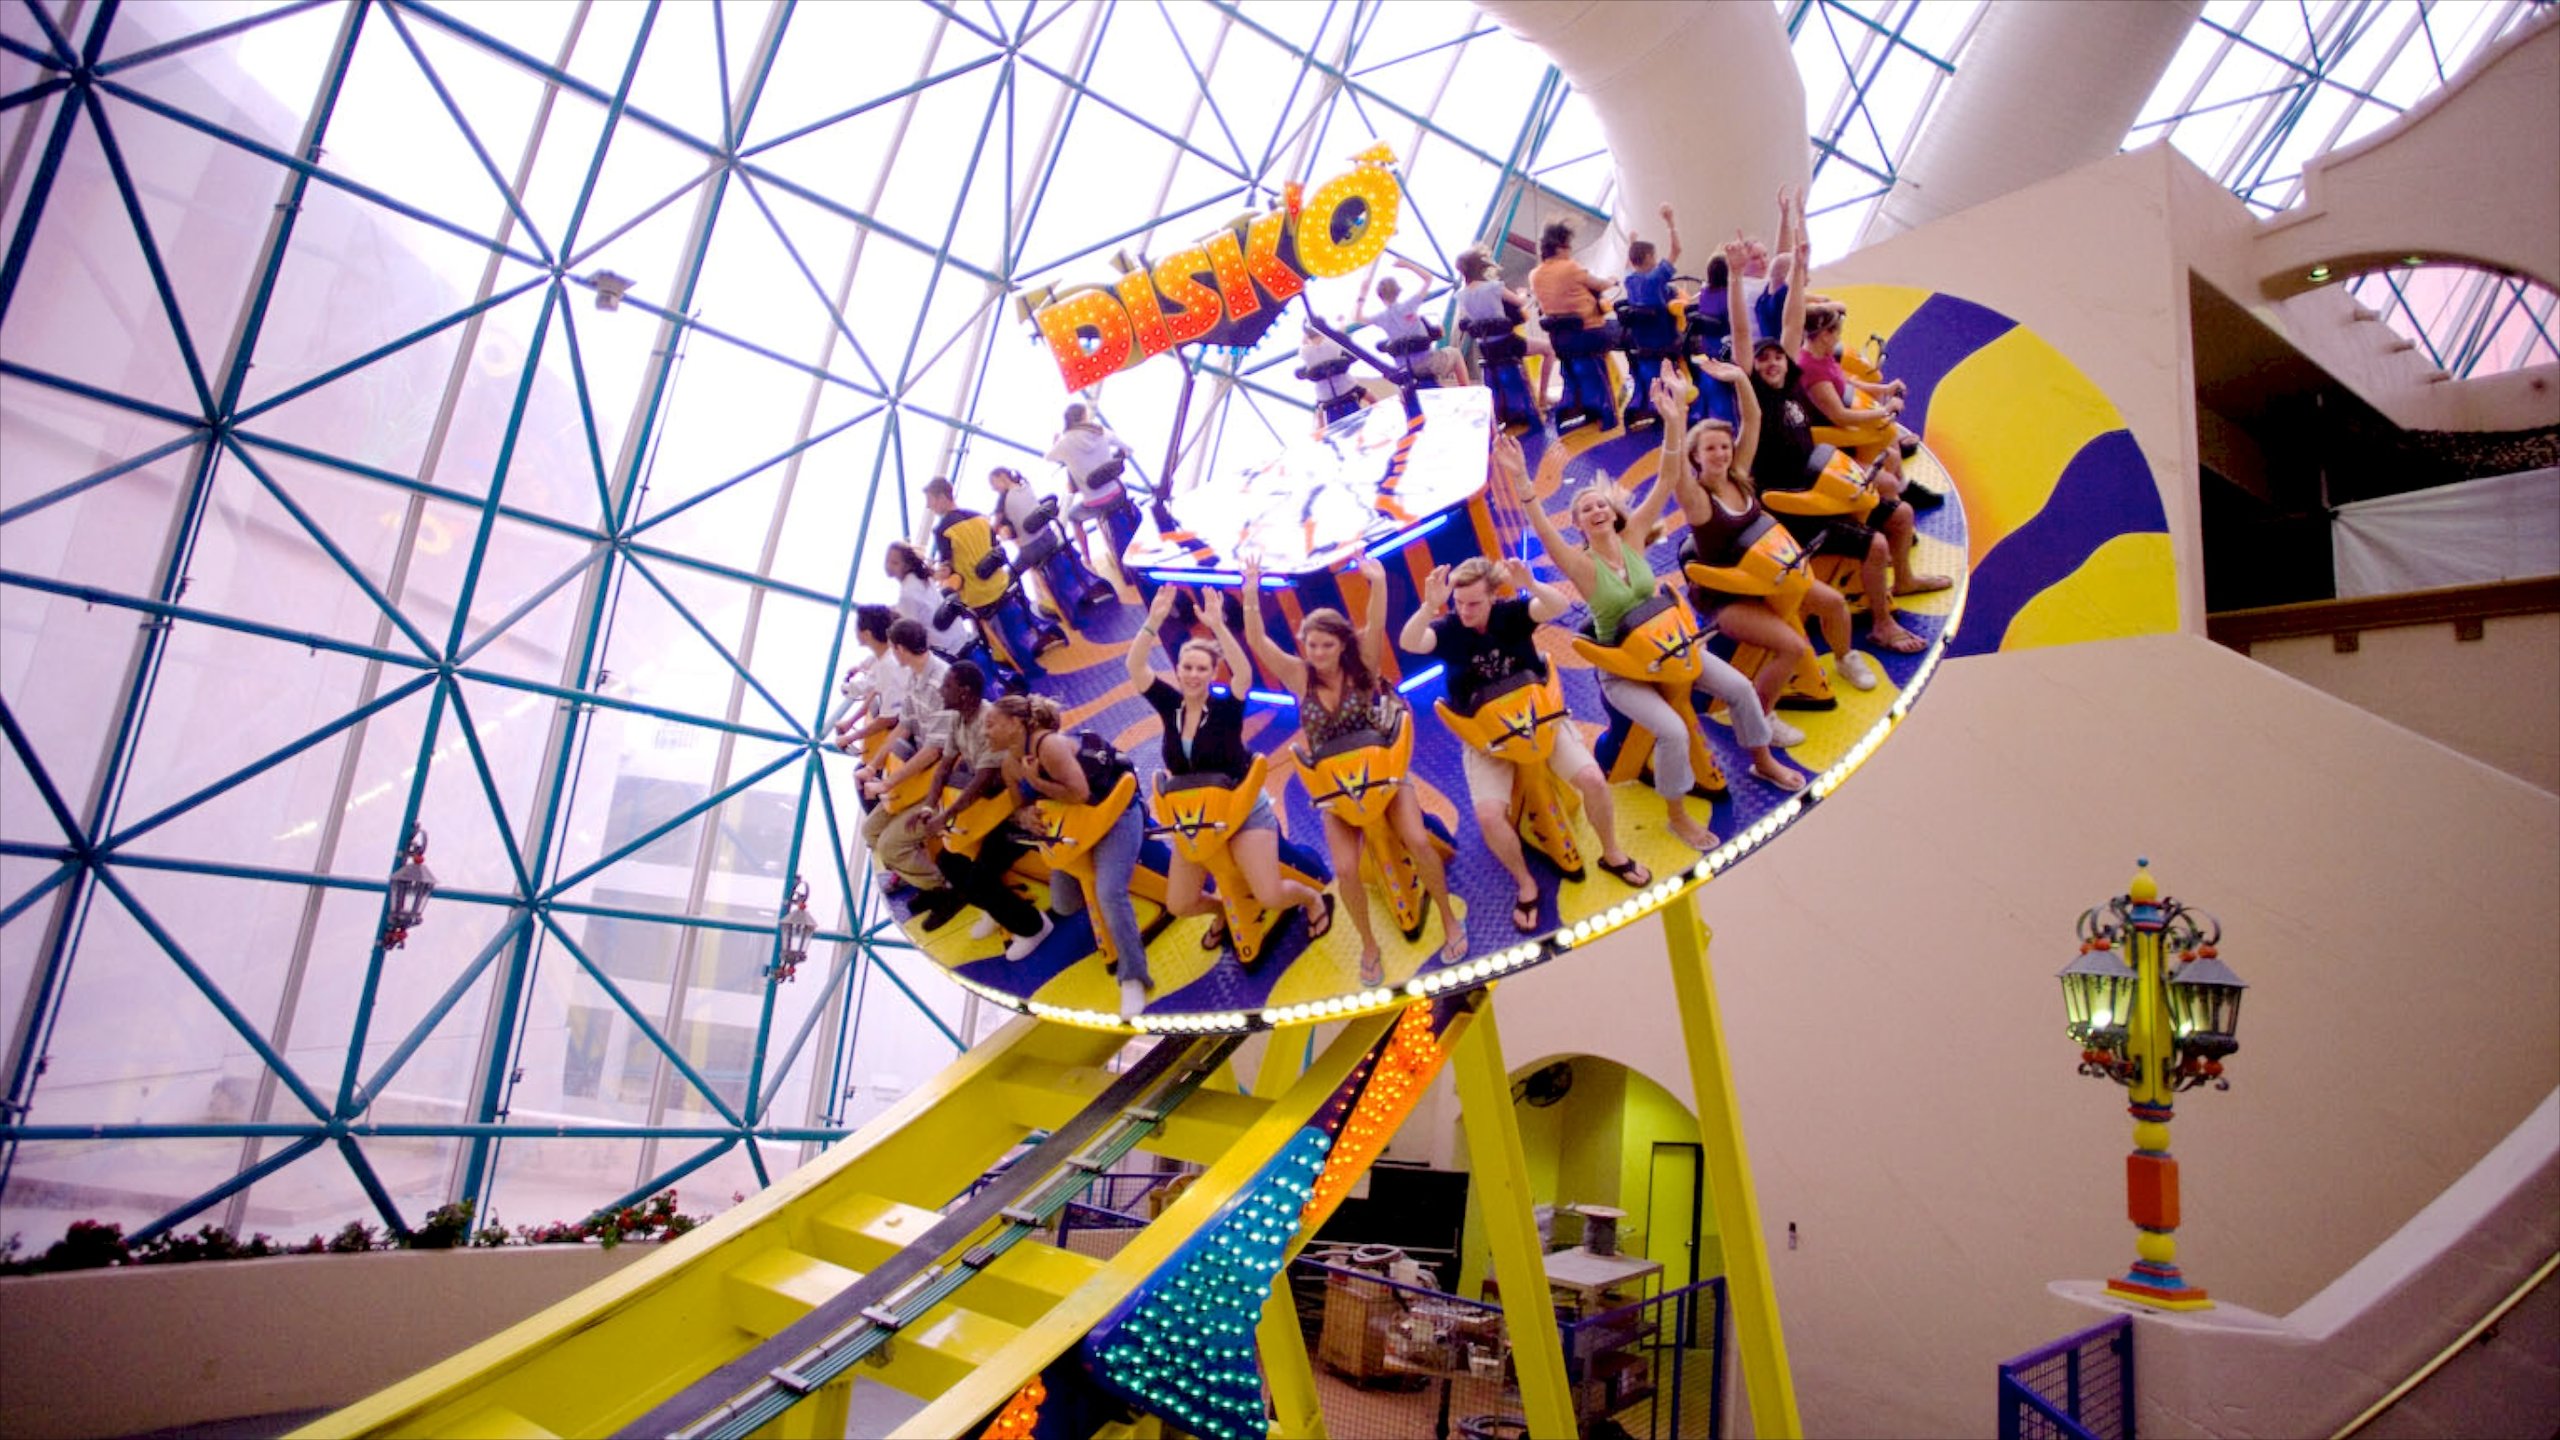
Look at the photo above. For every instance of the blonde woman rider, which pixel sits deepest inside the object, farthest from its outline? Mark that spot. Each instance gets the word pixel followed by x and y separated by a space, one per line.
pixel 1204 734
pixel 1610 569
pixel 1337 678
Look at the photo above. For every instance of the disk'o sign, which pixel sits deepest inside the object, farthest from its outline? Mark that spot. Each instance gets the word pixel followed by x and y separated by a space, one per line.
pixel 1227 289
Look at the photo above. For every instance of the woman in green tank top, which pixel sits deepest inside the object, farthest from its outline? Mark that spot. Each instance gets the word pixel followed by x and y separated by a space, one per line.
pixel 1611 571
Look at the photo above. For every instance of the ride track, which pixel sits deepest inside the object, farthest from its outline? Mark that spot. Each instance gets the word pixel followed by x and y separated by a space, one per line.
pixel 874 1254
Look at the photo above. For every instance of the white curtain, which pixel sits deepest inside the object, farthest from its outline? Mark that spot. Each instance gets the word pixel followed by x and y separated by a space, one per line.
pixel 2502 528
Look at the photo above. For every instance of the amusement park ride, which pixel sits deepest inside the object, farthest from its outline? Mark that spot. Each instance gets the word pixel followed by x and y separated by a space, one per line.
pixel 896 1252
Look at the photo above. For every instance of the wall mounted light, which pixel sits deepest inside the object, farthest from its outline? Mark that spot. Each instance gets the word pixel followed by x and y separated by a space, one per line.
pixel 411 884
pixel 797 928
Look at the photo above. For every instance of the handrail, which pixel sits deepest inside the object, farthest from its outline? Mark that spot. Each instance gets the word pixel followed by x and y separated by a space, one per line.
pixel 2240 629
pixel 2444 1357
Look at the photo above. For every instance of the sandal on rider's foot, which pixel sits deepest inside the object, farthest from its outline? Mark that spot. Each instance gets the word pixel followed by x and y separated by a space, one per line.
pixel 1786 778
pixel 1901 642
pixel 1629 872
pixel 1320 928
pixel 1214 938
pixel 1373 970
pixel 1524 915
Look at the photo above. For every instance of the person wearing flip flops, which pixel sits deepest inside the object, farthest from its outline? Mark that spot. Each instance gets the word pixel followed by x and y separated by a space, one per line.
pixel 1204 734
pixel 1335 676
pixel 1484 641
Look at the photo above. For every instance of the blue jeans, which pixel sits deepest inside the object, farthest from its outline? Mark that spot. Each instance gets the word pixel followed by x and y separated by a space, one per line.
pixel 1115 865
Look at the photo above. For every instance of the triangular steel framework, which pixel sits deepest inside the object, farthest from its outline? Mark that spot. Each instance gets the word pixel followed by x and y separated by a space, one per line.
pixel 490 524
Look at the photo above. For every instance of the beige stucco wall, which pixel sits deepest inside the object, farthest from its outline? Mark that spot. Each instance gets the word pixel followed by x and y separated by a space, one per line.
pixel 2496 698
pixel 1896 1032
pixel 117 1352
pixel 2087 261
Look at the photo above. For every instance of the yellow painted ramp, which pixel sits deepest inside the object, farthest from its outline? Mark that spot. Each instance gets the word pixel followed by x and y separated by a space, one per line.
pixel 602 1359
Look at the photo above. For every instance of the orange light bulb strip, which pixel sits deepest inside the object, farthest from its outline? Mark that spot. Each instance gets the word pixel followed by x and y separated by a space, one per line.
pixel 1413 1055
pixel 1020 1415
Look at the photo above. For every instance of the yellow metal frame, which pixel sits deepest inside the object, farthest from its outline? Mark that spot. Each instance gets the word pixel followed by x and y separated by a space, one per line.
pixel 607 1355
pixel 1767 1381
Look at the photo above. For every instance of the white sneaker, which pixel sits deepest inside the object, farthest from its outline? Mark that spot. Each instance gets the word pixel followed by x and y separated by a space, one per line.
pixel 1782 734
pixel 1133 999
pixel 1022 945
pixel 985 929
pixel 1858 670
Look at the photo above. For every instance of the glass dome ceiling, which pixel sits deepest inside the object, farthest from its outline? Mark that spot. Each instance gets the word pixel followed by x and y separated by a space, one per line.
pixel 482 416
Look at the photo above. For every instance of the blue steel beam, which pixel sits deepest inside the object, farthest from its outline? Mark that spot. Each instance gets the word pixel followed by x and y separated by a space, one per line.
pixel 587 415
pixel 319 735
pixel 96 478
pixel 866 107
pixel 205 986
pixel 330 547
pixel 188 1210
pixel 753 1109
pixel 418 1034
pixel 151 261
pixel 504 1039
pixel 470 733
pixel 648 1030
pixel 46 790
pixel 491 1130
pixel 184 43
pixel 61 873
pixel 692 622
pixel 835 317
pixel 506 192
pixel 45 995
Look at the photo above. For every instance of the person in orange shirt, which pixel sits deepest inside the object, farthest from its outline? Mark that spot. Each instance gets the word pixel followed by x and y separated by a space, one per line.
pixel 1562 287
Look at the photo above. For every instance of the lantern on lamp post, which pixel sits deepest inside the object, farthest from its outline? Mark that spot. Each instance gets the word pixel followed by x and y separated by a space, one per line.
pixel 2157 1019
pixel 411 884
pixel 797 928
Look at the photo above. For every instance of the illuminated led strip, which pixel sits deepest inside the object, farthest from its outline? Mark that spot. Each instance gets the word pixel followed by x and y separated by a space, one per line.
pixel 1470 974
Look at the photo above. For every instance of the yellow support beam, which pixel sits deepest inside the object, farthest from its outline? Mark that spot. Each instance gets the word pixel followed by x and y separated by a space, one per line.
pixel 1767 1382
pixel 1511 1226
pixel 963 1407
pixel 1285 1367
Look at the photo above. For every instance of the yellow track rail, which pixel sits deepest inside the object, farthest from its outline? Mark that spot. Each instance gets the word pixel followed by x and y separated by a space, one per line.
pixel 606 1356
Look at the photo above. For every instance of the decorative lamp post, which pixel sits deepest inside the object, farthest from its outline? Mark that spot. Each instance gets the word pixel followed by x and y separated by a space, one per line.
pixel 797 927
pixel 2157 1025
pixel 411 884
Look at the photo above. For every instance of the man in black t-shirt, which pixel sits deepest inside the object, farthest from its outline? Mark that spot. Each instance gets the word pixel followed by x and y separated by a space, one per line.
pixel 1483 641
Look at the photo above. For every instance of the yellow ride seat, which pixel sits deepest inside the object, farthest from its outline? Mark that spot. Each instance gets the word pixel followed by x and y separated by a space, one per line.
pixel 1841 492
pixel 1775 568
pixel 1354 778
pixel 1198 816
pixel 1660 643
pixel 1516 723
pixel 972 540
